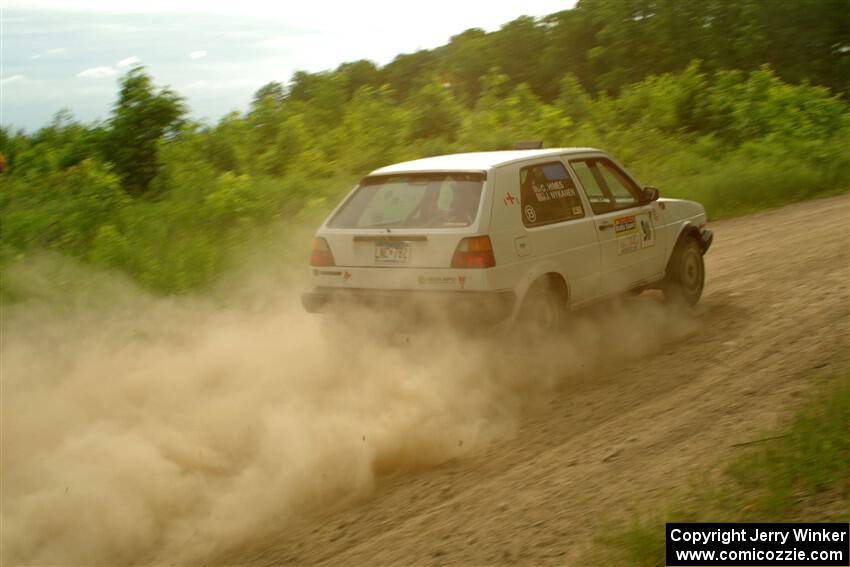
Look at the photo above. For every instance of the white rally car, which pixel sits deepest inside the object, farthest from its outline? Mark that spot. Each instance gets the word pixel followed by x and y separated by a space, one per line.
pixel 503 236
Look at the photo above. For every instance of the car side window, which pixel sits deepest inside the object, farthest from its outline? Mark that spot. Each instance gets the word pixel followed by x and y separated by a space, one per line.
pixel 608 188
pixel 548 195
pixel 623 190
pixel 599 203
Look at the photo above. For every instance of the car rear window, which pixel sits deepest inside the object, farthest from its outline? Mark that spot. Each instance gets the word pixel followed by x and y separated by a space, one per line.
pixel 423 200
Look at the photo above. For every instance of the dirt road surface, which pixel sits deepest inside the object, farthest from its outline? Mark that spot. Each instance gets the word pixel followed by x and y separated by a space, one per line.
pixel 774 316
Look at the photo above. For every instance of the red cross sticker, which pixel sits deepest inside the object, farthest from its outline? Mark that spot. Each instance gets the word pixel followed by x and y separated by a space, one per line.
pixel 510 199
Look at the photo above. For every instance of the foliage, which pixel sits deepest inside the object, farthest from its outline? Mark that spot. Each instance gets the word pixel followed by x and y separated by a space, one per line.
pixel 609 44
pixel 754 122
pixel 503 117
pixel 141 119
pixel 61 210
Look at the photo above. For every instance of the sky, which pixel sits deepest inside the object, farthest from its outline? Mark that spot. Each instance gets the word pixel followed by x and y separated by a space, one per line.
pixel 70 55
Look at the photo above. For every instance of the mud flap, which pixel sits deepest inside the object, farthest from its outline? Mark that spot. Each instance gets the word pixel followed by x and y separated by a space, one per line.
pixel 706 237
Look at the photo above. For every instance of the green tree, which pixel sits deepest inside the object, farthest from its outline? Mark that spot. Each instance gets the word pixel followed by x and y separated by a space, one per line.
pixel 466 59
pixel 141 120
pixel 409 71
pixel 273 91
pixel 573 100
pixel 518 49
pixel 374 129
pixel 320 96
pixel 362 73
pixel 434 113
pixel 504 117
pixel 569 37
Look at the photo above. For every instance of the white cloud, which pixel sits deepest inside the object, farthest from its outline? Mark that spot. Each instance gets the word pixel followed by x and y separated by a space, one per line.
pixel 126 62
pixel 50 52
pixel 12 79
pixel 97 73
pixel 200 54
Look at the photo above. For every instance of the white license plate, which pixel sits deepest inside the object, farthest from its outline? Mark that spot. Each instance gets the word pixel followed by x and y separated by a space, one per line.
pixel 392 252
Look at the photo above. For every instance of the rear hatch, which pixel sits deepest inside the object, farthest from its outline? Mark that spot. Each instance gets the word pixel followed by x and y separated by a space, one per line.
pixel 413 220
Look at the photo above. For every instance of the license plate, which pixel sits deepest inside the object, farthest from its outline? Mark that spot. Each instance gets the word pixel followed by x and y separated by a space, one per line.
pixel 392 252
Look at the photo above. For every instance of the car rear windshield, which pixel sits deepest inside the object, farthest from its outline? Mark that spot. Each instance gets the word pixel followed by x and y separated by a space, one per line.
pixel 422 200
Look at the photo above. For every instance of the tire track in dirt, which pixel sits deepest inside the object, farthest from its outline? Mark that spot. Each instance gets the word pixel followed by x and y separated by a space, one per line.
pixel 775 314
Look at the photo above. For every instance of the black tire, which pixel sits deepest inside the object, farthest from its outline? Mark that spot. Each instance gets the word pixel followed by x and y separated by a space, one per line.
pixel 685 273
pixel 542 311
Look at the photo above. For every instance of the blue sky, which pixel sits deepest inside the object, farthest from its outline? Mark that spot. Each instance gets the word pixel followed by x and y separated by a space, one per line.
pixel 58 54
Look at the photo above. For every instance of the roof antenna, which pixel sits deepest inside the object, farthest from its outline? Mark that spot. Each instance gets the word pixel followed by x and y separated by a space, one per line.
pixel 529 145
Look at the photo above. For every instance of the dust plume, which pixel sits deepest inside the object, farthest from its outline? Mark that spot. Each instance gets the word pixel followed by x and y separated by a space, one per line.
pixel 146 430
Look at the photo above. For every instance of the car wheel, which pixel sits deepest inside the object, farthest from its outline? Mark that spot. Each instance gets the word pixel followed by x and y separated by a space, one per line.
pixel 686 273
pixel 542 311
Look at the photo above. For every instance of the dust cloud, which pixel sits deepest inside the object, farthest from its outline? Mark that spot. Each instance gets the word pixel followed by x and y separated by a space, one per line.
pixel 147 430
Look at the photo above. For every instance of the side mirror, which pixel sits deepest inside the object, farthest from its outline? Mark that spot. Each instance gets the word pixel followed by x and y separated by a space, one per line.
pixel 650 194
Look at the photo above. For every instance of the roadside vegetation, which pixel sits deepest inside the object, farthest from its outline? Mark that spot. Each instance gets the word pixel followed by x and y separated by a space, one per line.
pixel 801 473
pixel 737 125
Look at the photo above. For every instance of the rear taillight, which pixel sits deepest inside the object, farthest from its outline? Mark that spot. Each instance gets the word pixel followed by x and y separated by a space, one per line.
pixel 321 254
pixel 475 252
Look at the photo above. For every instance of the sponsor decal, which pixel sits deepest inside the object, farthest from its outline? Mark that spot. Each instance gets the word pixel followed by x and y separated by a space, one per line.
pixel 530 213
pixel 624 224
pixel 634 232
pixel 578 211
pixel 510 199
pixel 628 244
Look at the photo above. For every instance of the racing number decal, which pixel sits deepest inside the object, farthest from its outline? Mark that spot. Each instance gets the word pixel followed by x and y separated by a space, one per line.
pixel 647 231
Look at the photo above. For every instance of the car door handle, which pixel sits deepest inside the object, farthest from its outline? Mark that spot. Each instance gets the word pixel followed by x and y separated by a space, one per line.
pixel 605 225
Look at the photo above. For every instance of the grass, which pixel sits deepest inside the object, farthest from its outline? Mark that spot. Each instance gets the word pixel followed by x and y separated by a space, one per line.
pixel 744 182
pixel 799 474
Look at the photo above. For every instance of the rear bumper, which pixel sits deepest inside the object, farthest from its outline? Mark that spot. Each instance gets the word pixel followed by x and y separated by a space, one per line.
pixel 706 238
pixel 483 307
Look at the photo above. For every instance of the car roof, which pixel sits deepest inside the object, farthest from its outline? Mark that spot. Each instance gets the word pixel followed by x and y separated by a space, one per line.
pixel 474 161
